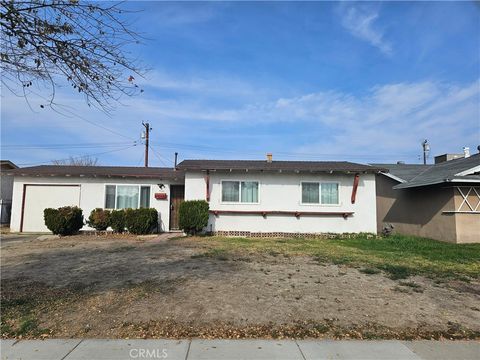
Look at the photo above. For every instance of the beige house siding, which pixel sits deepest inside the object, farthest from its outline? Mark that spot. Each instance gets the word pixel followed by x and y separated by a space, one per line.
pixel 420 212
pixel 467 224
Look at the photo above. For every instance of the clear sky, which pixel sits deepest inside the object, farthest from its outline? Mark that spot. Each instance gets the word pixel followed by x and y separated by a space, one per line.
pixel 364 82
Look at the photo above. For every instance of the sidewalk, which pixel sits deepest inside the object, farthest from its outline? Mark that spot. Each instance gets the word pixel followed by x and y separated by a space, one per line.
pixel 70 349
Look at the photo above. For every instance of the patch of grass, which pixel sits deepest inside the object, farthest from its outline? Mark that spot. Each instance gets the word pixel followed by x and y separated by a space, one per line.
pixel 399 256
pixel 219 254
pixel 28 325
pixel 6 329
pixel 369 271
pixel 410 284
pixel 401 289
pixel 396 272
pixel 414 286
pixel 121 249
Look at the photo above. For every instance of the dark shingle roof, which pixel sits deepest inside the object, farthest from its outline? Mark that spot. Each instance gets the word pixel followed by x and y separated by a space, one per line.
pixel 99 171
pixel 7 165
pixel 446 172
pixel 403 172
pixel 263 165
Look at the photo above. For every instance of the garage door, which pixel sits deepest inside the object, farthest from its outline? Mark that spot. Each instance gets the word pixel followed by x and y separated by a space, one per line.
pixel 40 197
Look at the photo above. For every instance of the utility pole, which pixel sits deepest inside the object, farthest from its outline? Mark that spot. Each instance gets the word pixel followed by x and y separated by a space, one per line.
pixel 146 137
pixel 426 150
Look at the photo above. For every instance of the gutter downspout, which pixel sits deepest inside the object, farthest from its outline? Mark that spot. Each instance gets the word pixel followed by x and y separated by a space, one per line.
pixel 207 183
pixel 356 180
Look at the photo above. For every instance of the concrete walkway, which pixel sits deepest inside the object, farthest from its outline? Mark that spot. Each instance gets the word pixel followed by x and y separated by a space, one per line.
pixel 70 349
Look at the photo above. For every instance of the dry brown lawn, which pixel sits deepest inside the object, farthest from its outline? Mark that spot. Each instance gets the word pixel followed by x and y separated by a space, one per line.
pixel 117 287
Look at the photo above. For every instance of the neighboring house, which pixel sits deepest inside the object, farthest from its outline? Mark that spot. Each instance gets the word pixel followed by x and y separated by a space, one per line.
pixel 6 189
pixel 90 187
pixel 440 201
pixel 275 198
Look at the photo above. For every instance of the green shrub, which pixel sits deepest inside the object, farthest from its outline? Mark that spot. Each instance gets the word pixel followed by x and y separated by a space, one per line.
pixel 193 216
pixel 99 219
pixel 141 221
pixel 117 221
pixel 64 221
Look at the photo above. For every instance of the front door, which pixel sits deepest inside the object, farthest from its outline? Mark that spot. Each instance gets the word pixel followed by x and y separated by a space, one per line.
pixel 177 195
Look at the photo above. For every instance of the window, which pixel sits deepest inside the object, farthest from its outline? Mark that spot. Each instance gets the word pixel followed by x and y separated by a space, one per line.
pixel 230 191
pixel 110 197
pixel 249 192
pixel 126 196
pixel 240 191
pixel 145 196
pixel 320 193
pixel 310 193
pixel 329 193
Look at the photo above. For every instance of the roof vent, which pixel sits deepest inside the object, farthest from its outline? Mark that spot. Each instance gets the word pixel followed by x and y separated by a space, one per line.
pixel 269 157
pixel 466 151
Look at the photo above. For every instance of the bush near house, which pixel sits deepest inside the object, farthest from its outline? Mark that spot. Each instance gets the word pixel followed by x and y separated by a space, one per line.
pixel 99 219
pixel 193 216
pixel 66 220
pixel 141 221
pixel 117 221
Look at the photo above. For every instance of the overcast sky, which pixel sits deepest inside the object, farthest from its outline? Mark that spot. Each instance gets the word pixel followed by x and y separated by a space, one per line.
pixel 364 82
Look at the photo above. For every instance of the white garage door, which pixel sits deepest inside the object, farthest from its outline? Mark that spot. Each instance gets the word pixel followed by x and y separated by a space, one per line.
pixel 38 198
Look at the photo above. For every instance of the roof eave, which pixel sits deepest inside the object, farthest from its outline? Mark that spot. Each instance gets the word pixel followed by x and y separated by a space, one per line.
pixel 391 176
pixel 344 171
pixel 470 171
pixel 436 182
pixel 96 176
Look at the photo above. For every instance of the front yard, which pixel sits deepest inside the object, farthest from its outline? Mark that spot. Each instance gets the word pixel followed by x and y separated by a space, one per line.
pixel 117 287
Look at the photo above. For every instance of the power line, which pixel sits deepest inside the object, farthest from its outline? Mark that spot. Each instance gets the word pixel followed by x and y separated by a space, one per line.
pixel 79 156
pixel 63 146
pixel 72 114
pixel 213 149
pixel 159 157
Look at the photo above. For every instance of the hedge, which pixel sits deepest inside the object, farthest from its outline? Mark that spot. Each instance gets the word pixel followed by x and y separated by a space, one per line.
pixel 117 221
pixel 66 220
pixel 99 219
pixel 193 216
pixel 141 221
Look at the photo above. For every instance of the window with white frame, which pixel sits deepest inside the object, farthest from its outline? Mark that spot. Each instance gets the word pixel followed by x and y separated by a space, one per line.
pixel 325 193
pixel 240 191
pixel 127 196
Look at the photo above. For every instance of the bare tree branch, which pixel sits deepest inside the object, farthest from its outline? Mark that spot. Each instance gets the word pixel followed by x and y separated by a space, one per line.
pixel 48 43
pixel 77 161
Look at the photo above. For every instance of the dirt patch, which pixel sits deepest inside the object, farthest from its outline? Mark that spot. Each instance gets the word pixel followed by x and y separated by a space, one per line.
pixel 122 287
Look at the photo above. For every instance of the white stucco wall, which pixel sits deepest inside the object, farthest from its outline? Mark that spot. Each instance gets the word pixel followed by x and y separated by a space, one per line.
pixel 282 192
pixel 92 195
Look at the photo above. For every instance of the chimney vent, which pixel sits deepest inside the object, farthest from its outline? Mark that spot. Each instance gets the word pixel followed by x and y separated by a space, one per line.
pixel 466 151
pixel 269 157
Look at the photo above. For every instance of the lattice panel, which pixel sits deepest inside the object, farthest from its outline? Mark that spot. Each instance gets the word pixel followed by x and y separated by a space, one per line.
pixel 470 199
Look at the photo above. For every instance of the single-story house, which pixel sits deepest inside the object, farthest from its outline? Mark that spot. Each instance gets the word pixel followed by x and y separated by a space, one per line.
pixel 439 201
pixel 89 187
pixel 260 198
pixel 265 198
pixel 6 190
